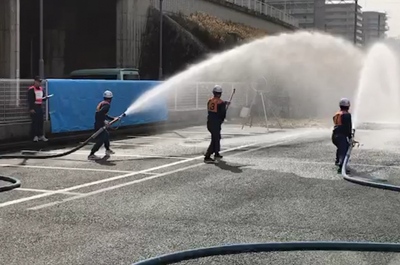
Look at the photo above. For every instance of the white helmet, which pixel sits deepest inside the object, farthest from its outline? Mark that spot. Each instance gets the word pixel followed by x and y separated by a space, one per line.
pixel 107 94
pixel 217 89
pixel 344 102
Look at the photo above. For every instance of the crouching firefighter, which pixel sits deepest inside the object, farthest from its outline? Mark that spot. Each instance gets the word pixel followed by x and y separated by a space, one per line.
pixel 101 117
pixel 216 116
pixel 342 132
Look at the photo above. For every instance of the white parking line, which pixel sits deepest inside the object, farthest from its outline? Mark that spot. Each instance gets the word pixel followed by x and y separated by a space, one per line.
pixel 50 191
pixel 144 179
pixel 21 200
pixel 67 168
pixel 350 164
pixel 117 155
pixel 132 144
pixel 155 137
pixel 224 133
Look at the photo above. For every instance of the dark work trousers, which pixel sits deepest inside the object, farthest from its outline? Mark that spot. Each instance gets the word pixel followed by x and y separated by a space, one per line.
pixel 215 129
pixel 37 122
pixel 102 138
pixel 340 141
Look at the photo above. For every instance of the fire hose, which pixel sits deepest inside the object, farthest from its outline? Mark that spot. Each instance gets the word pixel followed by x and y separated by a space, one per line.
pixel 358 180
pixel 93 136
pixel 15 183
pixel 192 254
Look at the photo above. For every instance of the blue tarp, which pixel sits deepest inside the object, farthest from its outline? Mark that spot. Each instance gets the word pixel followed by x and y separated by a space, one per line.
pixel 72 108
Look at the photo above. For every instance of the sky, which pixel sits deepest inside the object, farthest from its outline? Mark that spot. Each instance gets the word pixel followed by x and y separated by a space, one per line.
pixel 392 8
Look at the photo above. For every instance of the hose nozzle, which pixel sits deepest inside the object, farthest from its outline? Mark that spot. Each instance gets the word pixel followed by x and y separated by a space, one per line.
pixel 122 115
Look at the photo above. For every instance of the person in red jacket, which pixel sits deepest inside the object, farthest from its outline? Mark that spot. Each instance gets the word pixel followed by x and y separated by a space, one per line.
pixel 35 100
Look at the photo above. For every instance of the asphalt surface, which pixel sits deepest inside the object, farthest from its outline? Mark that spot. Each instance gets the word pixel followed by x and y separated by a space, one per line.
pixel 156 196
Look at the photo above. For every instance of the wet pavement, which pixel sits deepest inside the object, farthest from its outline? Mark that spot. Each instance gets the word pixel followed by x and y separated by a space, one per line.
pixel 156 196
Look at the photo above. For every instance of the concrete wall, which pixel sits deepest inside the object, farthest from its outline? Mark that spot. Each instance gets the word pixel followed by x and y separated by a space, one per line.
pixel 8 47
pixel 131 22
pixel 132 16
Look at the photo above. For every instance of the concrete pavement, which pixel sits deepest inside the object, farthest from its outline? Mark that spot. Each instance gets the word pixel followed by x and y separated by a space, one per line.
pixel 155 196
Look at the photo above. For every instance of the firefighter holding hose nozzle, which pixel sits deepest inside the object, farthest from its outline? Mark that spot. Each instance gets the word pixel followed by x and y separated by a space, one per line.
pixel 216 108
pixel 101 118
pixel 342 132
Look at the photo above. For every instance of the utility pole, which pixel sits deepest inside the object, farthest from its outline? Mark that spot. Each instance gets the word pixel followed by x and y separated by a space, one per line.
pixel 160 70
pixel 355 21
pixel 41 60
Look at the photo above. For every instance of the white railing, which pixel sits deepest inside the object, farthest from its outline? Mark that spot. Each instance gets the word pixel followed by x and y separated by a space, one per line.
pixel 14 100
pixel 194 96
pixel 189 6
pixel 265 9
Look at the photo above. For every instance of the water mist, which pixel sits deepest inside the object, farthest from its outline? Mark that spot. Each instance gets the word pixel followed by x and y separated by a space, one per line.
pixel 378 97
pixel 313 69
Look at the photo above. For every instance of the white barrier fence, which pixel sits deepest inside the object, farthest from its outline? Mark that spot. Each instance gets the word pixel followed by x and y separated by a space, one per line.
pixel 194 96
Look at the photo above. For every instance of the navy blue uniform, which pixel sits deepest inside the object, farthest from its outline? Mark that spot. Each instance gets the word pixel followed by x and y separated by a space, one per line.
pixel 342 133
pixel 100 117
pixel 216 116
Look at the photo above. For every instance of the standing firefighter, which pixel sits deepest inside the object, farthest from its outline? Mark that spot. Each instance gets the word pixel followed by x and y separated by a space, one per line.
pixel 35 100
pixel 216 116
pixel 101 117
pixel 342 132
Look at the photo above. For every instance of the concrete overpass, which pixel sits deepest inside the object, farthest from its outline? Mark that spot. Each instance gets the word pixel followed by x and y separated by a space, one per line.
pixel 120 37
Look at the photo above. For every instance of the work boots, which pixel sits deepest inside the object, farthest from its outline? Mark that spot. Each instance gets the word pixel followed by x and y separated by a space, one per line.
pixel 41 138
pixel 208 159
pixel 339 171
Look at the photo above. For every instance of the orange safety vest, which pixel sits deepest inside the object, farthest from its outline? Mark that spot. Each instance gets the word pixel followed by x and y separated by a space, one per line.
pixel 337 119
pixel 101 104
pixel 212 104
pixel 38 94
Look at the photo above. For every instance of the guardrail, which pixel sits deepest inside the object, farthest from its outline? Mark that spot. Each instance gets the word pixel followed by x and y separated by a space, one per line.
pixel 265 9
pixel 14 100
pixel 252 5
pixel 194 96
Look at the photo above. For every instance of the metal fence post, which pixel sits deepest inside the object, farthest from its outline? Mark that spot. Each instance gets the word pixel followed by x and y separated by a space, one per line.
pixel 47 101
pixel 176 99
pixel 197 95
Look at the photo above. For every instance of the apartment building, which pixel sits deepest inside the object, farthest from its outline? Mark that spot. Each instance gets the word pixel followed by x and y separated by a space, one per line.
pixel 374 26
pixel 310 13
pixel 343 18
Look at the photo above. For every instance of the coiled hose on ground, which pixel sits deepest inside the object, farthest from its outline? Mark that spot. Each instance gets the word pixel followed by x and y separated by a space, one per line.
pixel 270 247
pixel 15 183
pixel 360 181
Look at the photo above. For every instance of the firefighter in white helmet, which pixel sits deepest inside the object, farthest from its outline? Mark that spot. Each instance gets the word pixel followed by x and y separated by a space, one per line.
pixel 101 117
pixel 216 115
pixel 342 132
